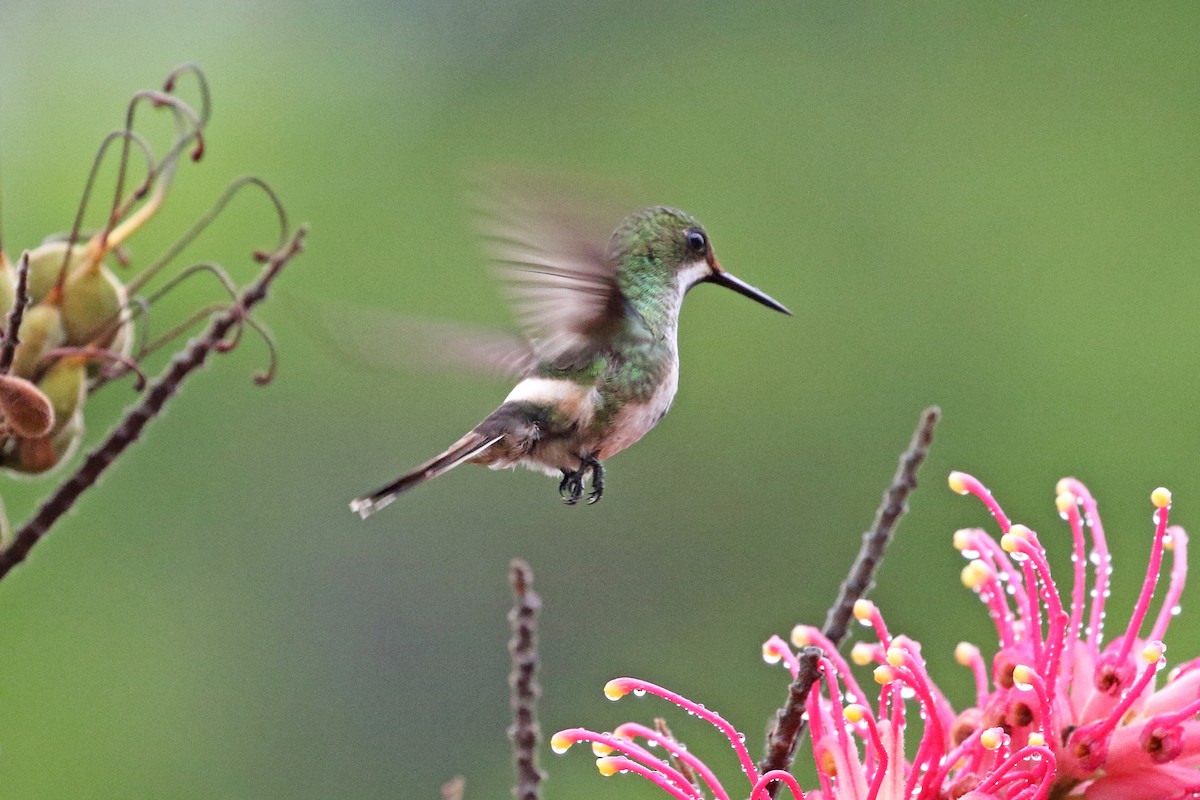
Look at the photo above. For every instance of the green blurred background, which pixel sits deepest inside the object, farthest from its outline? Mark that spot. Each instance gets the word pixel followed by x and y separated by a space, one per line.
pixel 989 206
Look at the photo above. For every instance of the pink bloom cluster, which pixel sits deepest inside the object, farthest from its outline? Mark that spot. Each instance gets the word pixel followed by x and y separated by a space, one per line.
pixel 1060 713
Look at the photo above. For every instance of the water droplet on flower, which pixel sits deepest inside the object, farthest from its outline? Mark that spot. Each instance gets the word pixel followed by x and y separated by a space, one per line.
pixel 970 554
pixel 1176 610
pixel 639 692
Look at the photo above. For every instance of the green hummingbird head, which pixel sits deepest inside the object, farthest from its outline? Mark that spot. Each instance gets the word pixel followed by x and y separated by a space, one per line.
pixel 662 251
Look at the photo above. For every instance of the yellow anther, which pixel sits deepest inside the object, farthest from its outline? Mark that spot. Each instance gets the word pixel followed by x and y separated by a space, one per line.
pixel 1021 530
pixel 863 609
pixel 975 574
pixel 854 713
pixel 1023 674
pixel 561 744
pixel 615 690
pixel 992 738
pixel 607 766
pixel 962 539
pixel 1036 739
pixel 1065 502
pixel 771 653
pixel 958 482
pixel 884 674
pixel 1063 486
pixel 896 656
pixel 1011 542
pixel 862 654
pixel 965 653
pixel 827 763
pixel 800 636
pixel 1161 497
pixel 1153 651
pixel 601 749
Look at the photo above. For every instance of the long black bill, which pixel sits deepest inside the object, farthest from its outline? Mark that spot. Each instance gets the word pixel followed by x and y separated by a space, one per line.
pixel 723 278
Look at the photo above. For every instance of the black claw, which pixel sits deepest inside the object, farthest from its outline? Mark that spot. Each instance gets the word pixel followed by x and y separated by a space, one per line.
pixel 571 486
pixel 597 481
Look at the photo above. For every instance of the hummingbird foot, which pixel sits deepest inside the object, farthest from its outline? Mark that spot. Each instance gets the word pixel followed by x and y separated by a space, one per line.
pixel 597 481
pixel 571 486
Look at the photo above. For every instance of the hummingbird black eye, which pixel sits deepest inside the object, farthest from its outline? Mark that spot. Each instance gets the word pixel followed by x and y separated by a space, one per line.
pixel 696 240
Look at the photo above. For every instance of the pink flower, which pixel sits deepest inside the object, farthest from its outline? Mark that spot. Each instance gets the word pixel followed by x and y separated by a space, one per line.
pixel 1059 713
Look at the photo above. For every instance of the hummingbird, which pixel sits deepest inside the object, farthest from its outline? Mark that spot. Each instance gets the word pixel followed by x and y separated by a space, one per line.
pixel 599 364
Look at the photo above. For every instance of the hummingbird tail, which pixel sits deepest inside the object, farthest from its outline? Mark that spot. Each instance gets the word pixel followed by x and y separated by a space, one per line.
pixel 464 449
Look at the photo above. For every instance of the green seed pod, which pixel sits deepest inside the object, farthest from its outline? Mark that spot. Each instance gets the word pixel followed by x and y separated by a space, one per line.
pixel 122 341
pixel 92 300
pixel 41 331
pixel 68 439
pixel 8 287
pixel 26 411
pixel 45 262
pixel 65 384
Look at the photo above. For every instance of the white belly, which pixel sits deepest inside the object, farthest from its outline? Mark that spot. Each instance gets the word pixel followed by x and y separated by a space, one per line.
pixel 636 419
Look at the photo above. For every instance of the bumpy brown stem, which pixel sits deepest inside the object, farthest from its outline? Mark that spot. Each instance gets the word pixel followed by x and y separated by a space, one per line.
pixel 525 732
pixel 151 403
pixel 8 345
pixel 788 724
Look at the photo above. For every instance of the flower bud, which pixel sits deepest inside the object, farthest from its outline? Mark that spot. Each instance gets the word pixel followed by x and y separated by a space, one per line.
pixel 66 385
pixel 8 285
pixel 41 331
pixel 93 298
pixel 45 263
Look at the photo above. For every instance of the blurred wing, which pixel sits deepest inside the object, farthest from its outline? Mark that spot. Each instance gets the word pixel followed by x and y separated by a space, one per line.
pixel 552 256
pixel 379 339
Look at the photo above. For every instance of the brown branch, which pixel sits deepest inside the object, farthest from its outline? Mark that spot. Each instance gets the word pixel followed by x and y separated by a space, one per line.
pixel 188 360
pixel 788 725
pixel 8 346
pixel 525 732
pixel 684 769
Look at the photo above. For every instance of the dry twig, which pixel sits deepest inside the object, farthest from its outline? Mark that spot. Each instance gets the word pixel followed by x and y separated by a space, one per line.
pixel 788 724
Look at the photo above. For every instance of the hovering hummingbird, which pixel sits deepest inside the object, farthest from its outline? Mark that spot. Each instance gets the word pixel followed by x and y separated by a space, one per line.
pixel 600 363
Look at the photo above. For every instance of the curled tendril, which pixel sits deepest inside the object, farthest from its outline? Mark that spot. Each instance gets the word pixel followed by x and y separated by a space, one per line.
pixel 202 81
pixel 189 127
pixel 128 136
pixel 99 354
pixel 209 217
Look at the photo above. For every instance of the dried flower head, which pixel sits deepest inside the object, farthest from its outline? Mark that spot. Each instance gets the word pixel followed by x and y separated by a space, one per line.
pixel 76 323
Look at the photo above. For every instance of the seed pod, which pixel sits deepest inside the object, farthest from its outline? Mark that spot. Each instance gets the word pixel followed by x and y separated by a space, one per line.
pixel 26 411
pixel 41 331
pixel 92 299
pixel 65 384
pixel 35 455
pixel 8 287
pixel 43 453
pixel 45 262
pixel 68 439
pixel 122 341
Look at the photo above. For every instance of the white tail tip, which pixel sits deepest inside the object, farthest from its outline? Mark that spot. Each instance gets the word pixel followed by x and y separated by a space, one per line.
pixel 366 506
